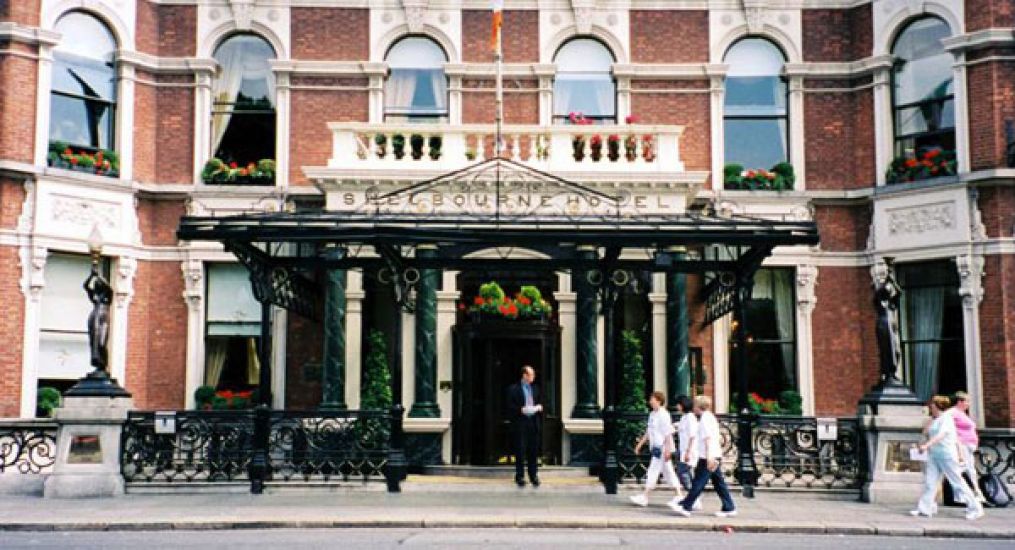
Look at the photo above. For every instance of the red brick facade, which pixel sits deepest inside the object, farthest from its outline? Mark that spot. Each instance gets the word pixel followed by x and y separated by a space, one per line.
pixel 839 155
pixel 686 33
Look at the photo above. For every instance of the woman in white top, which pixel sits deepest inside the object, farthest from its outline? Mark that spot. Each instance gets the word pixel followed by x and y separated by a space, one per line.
pixel 659 434
pixel 942 448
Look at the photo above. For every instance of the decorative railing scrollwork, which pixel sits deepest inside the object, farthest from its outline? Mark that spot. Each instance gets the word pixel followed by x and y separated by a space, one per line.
pixel 27 447
pixel 787 451
pixel 218 446
pixel 329 445
pixel 997 454
pixel 207 446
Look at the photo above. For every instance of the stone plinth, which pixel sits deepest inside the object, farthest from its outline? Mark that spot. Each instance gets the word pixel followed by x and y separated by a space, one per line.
pixel 889 435
pixel 87 448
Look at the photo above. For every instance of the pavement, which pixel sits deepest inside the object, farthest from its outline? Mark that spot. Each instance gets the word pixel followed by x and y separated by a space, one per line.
pixel 496 505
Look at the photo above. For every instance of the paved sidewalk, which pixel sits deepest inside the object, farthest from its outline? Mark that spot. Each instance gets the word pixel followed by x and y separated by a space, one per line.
pixel 522 508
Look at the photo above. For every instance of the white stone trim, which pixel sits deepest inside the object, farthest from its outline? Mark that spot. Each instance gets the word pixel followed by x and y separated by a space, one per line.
pixel 354 296
pixel 33 265
pixel 119 18
pixel 279 328
pixel 657 299
pixel 193 272
pixel 721 364
pixel 806 280
pixel 971 272
pixel 123 289
pixel 42 104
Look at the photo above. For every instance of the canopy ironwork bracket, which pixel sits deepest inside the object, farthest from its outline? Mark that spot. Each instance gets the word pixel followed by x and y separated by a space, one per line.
pixel 278 285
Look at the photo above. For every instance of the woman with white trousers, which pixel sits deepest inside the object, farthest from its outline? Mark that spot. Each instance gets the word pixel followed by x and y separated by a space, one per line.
pixel 659 435
pixel 942 448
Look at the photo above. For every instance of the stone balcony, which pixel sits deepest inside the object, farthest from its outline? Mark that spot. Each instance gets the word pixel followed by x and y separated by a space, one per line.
pixel 642 161
pixel 642 153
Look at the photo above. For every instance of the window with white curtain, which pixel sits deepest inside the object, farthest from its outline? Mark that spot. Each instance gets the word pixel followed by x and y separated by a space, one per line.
pixel 83 95
pixel 933 343
pixel 243 109
pixel 755 113
pixel 233 328
pixel 771 336
pixel 923 100
pixel 584 82
pixel 417 88
pixel 64 353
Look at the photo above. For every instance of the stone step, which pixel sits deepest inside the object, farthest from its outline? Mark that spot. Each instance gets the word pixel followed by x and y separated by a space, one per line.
pixel 506 472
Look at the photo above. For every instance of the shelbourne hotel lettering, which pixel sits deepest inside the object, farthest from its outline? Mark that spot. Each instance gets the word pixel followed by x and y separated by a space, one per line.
pixel 534 202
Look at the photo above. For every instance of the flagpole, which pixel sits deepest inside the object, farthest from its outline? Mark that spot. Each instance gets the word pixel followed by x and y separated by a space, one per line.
pixel 498 58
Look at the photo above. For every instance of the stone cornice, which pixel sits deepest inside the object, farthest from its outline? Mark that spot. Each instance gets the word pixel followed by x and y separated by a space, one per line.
pixel 514 70
pixel 678 71
pixel 547 4
pixel 986 38
pixel 330 68
pixel 847 69
pixel 28 35
pixel 167 65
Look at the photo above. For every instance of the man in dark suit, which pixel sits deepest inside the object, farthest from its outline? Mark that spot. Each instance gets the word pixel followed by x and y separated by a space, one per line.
pixel 525 411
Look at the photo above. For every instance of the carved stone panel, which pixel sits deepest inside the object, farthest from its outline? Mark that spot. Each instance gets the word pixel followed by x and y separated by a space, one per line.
pixel 930 217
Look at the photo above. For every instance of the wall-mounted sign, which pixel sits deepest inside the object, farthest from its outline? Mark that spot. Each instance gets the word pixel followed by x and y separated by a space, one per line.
pixel 828 429
pixel 165 422
pixel 85 449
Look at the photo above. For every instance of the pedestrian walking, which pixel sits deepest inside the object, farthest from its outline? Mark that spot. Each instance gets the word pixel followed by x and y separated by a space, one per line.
pixel 659 435
pixel 687 440
pixel 708 466
pixel 942 448
pixel 969 441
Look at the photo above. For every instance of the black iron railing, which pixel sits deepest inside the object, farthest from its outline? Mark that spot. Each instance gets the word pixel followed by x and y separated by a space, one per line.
pixel 221 446
pixel 997 454
pixel 27 446
pixel 207 446
pixel 317 445
pixel 787 451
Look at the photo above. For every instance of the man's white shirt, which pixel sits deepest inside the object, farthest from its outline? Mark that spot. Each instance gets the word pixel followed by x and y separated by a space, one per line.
pixel 687 429
pixel 709 445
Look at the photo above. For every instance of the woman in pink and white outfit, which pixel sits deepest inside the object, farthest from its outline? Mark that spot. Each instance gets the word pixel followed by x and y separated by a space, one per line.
pixel 969 441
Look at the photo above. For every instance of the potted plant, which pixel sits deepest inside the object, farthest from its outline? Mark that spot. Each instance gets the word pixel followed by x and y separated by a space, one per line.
pixel 470 153
pixel 932 163
pixel 613 147
pixel 631 148
pixel 398 146
pixel 381 141
pixel 203 397
pixel 596 148
pixel 542 147
pixel 46 401
pixel 578 140
pixel 435 143
pixel 416 144
pixel 648 148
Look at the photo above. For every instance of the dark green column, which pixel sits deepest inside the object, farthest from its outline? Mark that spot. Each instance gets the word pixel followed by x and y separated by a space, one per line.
pixel 333 363
pixel 425 396
pixel 587 315
pixel 678 366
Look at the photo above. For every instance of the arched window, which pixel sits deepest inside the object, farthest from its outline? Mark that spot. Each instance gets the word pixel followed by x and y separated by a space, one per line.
pixel 922 93
pixel 417 88
pixel 584 82
pixel 83 96
pixel 755 116
pixel 243 109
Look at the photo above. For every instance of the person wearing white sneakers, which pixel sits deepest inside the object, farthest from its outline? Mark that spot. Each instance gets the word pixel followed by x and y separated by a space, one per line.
pixel 659 434
pixel 709 460
pixel 943 460
pixel 687 444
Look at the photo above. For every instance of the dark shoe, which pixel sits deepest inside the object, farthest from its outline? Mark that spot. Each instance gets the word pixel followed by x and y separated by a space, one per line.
pixel 534 481
pixel 520 482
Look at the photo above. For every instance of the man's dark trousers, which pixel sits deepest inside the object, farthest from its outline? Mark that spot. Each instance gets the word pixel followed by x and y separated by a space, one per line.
pixel 701 478
pixel 526 446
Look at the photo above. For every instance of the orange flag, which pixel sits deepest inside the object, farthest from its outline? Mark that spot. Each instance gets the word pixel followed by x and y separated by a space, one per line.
pixel 498 21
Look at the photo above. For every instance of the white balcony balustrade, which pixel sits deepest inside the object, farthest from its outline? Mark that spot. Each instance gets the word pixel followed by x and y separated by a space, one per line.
pixel 623 152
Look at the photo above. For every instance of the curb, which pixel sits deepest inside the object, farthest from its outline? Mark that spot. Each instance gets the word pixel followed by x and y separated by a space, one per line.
pixel 804 528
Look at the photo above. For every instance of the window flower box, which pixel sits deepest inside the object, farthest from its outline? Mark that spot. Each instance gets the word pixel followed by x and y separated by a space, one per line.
pixel 934 163
pixel 779 178
pixel 101 162
pixel 217 172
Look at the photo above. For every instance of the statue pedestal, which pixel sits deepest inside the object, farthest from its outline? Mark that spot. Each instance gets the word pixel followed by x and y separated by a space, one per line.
pixel 88 447
pixel 890 430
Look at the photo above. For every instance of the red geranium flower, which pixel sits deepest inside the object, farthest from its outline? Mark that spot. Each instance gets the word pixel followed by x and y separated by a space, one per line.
pixel 631 119
pixel 232 165
pixel 478 300
pixel 932 153
pixel 911 163
pixel 461 307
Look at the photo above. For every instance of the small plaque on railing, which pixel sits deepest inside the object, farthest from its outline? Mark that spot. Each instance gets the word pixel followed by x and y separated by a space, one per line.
pixel 85 449
pixel 165 422
pixel 828 429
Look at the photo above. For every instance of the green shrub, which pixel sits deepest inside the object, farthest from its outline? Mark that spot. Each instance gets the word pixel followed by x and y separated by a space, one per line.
pixel 631 394
pixel 47 400
pixel 204 396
